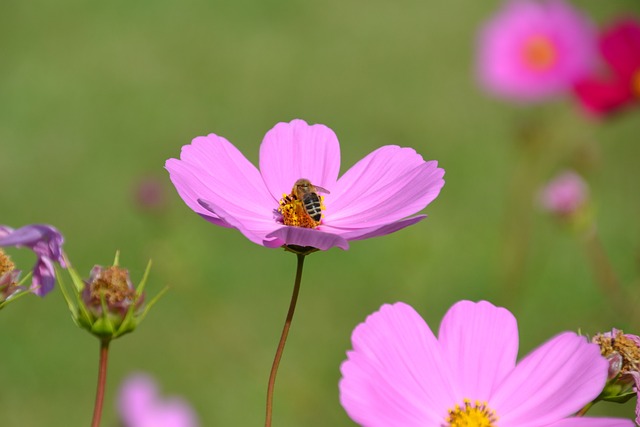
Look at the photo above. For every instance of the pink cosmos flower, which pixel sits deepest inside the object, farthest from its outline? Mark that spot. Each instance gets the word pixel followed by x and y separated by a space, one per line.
pixel 565 194
pixel 373 198
pixel 400 374
pixel 46 242
pixel 532 50
pixel 140 406
pixel 620 48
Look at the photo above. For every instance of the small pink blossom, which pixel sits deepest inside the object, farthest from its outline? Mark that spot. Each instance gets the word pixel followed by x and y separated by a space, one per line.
pixel 565 194
pixel 400 374
pixel 620 87
pixel 532 50
pixel 377 196
pixel 140 406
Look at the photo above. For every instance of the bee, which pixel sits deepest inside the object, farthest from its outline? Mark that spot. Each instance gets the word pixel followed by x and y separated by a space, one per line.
pixel 307 193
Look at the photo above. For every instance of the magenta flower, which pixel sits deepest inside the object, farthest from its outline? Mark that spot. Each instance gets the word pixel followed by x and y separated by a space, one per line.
pixel 373 198
pixel 46 241
pixel 565 194
pixel 400 374
pixel 531 50
pixel 620 48
pixel 140 406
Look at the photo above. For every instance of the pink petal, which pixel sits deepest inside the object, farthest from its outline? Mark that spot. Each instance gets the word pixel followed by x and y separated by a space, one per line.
pixel 395 375
pixel 137 393
pixel 307 237
pixel 600 97
pixel 295 150
pixel 592 422
pixel 620 46
pixel 481 343
pixel 387 185
pixel 212 169
pixel 254 229
pixel 551 383
pixel 367 233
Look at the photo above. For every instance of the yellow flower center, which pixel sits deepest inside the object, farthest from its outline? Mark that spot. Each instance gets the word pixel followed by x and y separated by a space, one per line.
pixel 635 84
pixel 6 265
pixel 539 53
pixel 471 415
pixel 295 207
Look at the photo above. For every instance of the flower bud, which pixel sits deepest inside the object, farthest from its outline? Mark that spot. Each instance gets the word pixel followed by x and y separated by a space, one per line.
pixel 107 304
pixel 622 351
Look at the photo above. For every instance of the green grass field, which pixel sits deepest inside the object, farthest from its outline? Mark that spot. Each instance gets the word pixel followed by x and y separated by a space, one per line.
pixel 95 96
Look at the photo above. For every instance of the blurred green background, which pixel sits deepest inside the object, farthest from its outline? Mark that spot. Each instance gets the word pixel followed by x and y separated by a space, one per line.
pixel 95 96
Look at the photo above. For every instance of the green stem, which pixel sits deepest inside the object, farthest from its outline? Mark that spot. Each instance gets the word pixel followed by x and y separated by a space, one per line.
pixel 283 339
pixel 604 272
pixel 584 410
pixel 102 382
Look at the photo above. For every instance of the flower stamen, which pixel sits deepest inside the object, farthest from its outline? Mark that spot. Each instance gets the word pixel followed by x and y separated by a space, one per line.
pixel 112 284
pixel 539 53
pixel 635 84
pixel 476 414
pixel 622 345
pixel 6 265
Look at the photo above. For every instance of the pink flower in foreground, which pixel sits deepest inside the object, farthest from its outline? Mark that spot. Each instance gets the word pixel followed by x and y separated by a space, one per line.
pixel 400 374
pixel 565 194
pixel 140 406
pixel 532 50
pixel 620 48
pixel 373 198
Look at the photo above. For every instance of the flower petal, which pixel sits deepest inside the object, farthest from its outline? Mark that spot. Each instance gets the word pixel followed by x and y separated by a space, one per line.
pixel 395 375
pixel 295 150
pixel 551 383
pixel 387 185
pixel 480 341
pixel 592 422
pixel 620 46
pixel 367 233
pixel 300 236
pixel 212 169
pixel 254 229
pixel 601 97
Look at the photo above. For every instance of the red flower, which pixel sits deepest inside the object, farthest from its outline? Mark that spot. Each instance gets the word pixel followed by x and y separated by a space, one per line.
pixel 620 48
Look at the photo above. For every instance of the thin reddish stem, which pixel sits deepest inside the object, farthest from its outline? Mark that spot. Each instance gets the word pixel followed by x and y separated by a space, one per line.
pixel 283 340
pixel 102 382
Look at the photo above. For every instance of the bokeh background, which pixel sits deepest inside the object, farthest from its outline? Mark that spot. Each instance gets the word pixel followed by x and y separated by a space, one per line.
pixel 95 96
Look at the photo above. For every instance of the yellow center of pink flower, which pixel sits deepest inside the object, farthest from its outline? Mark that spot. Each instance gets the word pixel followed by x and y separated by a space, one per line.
pixel 111 284
pixel 5 263
pixel 539 53
pixel 635 84
pixel 471 415
pixel 623 346
pixel 303 207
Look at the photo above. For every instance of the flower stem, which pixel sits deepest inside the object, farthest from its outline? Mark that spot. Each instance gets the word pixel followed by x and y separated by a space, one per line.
pixel 102 381
pixel 604 272
pixel 584 410
pixel 283 339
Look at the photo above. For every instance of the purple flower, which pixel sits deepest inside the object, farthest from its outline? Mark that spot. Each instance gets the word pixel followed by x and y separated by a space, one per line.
pixel 565 194
pixel 532 50
pixel 140 406
pixel 46 241
pixel 377 196
pixel 400 374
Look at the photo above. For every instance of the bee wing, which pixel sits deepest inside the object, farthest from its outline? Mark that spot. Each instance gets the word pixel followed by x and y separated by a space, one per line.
pixel 321 190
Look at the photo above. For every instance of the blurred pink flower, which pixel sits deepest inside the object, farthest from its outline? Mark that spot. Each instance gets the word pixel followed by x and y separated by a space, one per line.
pixel 46 242
pixel 140 406
pixel 373 198
pixel 400 374
pixel 565 194
pixel 620 48
pixel 531 50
